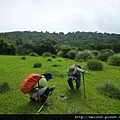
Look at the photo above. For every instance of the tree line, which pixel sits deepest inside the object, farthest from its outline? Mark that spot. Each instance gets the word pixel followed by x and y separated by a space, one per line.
pixel 26 42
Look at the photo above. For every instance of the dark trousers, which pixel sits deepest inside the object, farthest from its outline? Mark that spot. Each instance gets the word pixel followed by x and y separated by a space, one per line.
pixel 77 80
pixel 45 95
pixel 47 91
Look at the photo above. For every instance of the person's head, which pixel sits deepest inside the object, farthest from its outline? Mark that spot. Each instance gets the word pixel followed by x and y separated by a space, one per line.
pixel 48 76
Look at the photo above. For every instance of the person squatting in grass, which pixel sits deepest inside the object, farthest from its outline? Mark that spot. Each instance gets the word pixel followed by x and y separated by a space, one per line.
pixel 74 73
pixel 43 91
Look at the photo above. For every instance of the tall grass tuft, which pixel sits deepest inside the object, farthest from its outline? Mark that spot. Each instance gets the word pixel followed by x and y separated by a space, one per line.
pixel 114 60
pixel 4 87
pixel 23 58
pixel 84 55
pixel 37 65
pixel 109 89
pixel 94 65
pixel 105 54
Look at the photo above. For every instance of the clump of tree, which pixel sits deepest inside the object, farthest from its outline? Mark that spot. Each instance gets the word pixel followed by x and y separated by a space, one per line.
pixel 72 54
pixel 6 48
pixel 45 46
pixel 63 50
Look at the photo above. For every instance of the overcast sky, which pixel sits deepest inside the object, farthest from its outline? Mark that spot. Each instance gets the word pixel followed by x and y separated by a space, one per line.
pixel 60 15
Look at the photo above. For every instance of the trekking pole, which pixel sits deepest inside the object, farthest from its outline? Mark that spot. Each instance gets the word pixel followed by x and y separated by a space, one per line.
pixel 42 106
pixel 84 85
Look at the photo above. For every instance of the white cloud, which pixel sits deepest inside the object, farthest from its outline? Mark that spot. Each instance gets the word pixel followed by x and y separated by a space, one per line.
pixel 63 15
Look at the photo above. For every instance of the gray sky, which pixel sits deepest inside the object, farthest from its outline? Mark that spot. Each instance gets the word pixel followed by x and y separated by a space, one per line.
pixel 60 15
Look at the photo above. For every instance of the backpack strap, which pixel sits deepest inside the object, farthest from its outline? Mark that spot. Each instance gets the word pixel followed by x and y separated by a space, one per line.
pixel 39 84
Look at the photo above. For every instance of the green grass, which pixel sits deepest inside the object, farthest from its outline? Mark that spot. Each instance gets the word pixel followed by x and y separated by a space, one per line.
pixel 13 70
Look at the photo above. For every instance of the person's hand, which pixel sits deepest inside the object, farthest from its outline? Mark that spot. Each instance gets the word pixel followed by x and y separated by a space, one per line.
pixel 53 87
pixel 86 72
pixel 74 78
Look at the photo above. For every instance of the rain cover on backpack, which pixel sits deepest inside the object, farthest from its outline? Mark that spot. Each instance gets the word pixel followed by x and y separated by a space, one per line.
pixel 29 82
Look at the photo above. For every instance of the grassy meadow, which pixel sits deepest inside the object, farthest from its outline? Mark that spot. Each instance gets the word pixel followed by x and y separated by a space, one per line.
pixel 13 70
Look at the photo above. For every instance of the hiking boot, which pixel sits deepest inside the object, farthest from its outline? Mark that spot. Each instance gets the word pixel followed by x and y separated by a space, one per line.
pixel 32 99
pixel 78 88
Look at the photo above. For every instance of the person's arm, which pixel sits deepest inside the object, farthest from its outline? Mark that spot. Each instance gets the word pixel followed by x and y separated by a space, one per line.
pixel 82 71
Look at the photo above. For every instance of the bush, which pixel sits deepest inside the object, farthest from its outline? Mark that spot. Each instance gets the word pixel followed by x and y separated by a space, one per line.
pixel 34 54
pixel 46 54
pixel 23 58
pixel 53 56
pixel 95 52
pixel 71 54
pixel 109 89
pixel 59 60
pixel 105 54
pixel 114 60
pixel 55 65
pixel 84 55
pixel 94 65
pixel 4 87
pixel 49 59
pixel 37 65
pixel 60 54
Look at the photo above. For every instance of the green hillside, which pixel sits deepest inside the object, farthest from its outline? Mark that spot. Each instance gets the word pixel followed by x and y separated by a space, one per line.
pixel 13 70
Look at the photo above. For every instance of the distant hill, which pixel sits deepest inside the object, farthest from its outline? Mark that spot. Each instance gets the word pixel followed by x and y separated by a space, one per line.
pixel 71 38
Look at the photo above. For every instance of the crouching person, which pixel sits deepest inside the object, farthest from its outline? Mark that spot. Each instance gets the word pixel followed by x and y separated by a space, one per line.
pixel 74 73
pixel 42 91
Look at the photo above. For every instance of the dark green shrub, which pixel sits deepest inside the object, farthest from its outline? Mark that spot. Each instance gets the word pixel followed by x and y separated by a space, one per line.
pixel 55 65
pixel 105 54
pixel 65 49
pixel 53 56
pixel 95 52
pixel 23 58
pixel 114 60
pixel 46 54
pixel 84 55
pixel 59 60
pixel 4 87
pixel 34 54
pixel 49 59
pixel 60 54
pixel 109 89
pixel 71 54
pixel 37 65
pixel 94 65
